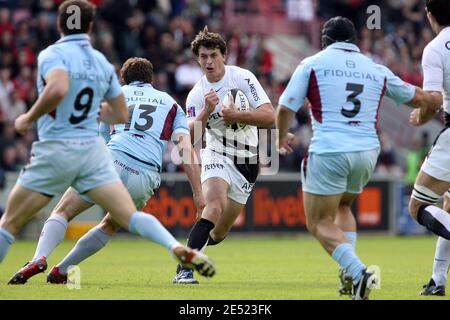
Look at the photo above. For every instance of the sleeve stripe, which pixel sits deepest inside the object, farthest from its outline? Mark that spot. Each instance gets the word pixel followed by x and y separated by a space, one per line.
pixel 314 97
pixel 168 124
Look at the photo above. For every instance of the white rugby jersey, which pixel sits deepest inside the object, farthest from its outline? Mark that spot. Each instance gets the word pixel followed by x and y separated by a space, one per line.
pixel 241 143
pixel 436 66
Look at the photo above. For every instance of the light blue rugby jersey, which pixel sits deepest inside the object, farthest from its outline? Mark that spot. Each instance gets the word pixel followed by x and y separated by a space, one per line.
pixel 345 89
pixel 91 79
pixel 155 118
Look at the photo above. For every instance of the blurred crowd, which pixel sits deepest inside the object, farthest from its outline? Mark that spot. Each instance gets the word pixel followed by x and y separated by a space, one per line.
pixel 161 30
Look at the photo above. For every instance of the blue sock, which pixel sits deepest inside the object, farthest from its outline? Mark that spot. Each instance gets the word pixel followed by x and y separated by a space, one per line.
pixel 6 240
pixel 88 245
pixel 149 227
pixel 351 236
pixel 344 254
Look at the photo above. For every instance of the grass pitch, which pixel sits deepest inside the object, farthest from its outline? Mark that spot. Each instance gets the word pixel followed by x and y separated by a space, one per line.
pixel 279 268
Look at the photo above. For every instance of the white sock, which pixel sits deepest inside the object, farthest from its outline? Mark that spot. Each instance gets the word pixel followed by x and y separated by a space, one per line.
pixel 441 262
pixel 51 236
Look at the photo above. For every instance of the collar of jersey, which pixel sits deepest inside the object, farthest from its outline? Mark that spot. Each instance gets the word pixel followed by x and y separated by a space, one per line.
pixel 344 46
pixel 74 37
pixel 140 83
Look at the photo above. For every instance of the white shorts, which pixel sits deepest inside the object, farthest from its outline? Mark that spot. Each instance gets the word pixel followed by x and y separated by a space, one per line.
pixel 215 165
pixel 437 163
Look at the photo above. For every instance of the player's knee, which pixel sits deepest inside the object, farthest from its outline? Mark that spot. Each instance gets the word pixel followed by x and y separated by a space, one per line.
pixel 213 209
pixel 413 208
pixel 419 197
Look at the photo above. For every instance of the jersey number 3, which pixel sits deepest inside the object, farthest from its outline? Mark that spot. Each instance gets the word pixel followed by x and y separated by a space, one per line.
pixel 356 89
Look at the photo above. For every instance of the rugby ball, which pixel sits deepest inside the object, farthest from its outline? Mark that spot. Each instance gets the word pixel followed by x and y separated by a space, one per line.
pixel 240 101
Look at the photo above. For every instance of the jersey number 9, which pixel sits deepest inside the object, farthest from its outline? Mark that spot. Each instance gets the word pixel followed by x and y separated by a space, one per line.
pixel 79 106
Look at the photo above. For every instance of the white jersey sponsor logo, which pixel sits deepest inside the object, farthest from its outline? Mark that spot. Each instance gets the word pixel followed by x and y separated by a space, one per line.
pixel 241 143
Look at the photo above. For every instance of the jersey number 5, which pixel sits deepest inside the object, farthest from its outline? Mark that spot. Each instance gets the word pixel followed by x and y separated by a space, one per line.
pixel 356 89
pixel 148 109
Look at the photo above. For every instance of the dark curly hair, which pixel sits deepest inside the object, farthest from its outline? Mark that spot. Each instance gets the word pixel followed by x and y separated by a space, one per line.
pixel 136 69
pixel 209 40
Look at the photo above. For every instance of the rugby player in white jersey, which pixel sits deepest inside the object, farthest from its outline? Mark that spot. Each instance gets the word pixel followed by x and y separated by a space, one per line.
pixel 434 177
pixel 230 160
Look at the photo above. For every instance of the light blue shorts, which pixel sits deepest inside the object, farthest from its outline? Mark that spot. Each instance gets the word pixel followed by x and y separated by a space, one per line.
pixel 55 165
pixel 138 178
pixel 336 173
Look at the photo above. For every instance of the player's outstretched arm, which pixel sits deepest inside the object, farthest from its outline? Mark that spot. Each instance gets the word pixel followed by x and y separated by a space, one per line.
pixel 115 111
pixel 284 120
pixel 191 168
pixel 56 88
pixel 432 100
pixel 428 104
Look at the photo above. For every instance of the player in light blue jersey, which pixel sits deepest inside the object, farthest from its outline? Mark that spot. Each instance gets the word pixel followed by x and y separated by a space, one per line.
pixel 73 80
pixel 137 148
pixel 143 137
pixel 345 90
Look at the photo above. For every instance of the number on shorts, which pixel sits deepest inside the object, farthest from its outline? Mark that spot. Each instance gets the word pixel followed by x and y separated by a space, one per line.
pixel 79 106
pixel 356 89
pixel 147 110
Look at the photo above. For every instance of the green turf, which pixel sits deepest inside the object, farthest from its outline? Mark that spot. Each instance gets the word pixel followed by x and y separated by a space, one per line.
pixel 249 268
